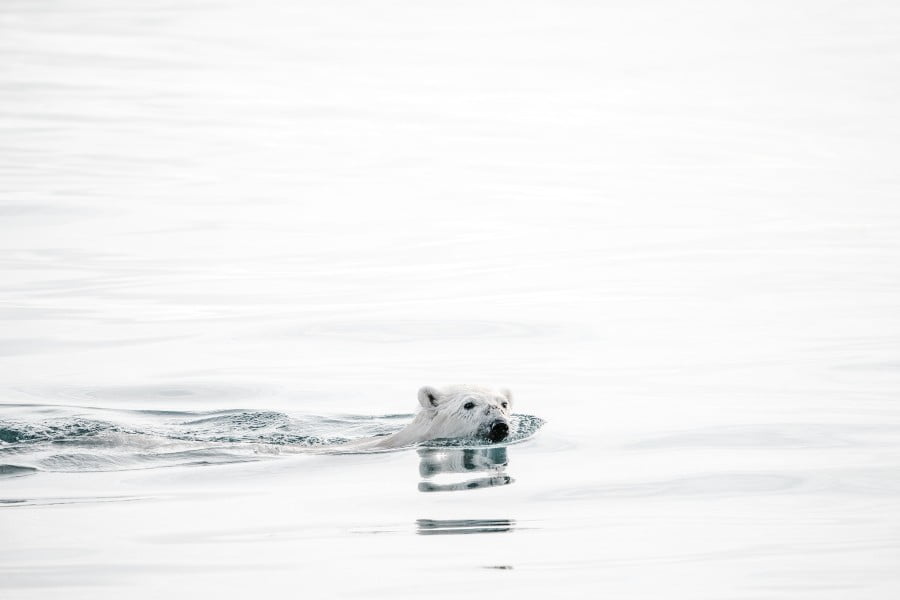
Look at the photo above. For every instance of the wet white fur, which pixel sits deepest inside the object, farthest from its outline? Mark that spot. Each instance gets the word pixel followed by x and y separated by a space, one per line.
pixel 442 414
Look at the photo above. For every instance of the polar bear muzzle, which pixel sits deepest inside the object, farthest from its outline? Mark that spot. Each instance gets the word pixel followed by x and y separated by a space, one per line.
pixel 498 431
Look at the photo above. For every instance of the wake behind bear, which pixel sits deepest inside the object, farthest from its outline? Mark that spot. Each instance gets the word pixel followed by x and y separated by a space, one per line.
pixel 454 411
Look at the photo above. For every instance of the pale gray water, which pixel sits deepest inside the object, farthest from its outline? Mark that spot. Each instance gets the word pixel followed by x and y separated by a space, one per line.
pixel 672 229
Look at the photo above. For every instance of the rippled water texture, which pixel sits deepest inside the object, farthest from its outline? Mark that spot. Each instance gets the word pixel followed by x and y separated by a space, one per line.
pixel 234 235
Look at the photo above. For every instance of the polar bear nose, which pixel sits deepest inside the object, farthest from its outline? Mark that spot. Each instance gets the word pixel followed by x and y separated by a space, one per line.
pixel 499 430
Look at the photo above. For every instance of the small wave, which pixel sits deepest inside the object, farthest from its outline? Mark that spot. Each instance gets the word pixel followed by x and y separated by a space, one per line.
pixel 51 430
pixel 279 429
pixel 16 471
pixel 522 427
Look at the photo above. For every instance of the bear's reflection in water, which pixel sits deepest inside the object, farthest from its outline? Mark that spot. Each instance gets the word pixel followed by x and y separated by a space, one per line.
pixel 463 526
pixel 445 462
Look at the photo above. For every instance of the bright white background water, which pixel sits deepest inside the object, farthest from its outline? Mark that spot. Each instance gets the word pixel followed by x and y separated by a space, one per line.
pixel 673 229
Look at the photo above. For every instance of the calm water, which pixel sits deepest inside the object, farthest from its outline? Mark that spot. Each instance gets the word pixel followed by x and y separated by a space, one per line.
pixel 231 231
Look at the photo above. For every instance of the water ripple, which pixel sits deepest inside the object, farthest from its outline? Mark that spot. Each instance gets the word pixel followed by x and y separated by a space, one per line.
pixel 865 481
pixel 780 435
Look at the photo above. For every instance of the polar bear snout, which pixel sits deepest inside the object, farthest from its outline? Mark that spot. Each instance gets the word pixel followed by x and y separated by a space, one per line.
pixel 498 431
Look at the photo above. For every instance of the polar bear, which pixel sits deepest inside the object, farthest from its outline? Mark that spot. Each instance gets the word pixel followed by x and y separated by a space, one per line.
pixel 455 411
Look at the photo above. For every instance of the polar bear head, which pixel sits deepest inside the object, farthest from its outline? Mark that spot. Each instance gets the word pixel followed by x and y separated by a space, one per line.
pixel 460 411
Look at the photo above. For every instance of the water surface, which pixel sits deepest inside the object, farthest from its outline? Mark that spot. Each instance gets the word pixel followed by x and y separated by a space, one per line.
pixel 671 230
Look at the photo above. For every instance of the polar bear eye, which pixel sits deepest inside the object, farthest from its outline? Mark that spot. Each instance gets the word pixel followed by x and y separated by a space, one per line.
pixel 469 405
pixel 505 405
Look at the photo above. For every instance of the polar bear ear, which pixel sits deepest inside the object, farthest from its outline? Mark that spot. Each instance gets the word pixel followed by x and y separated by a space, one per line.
pixel 507 394
pixel 429 397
